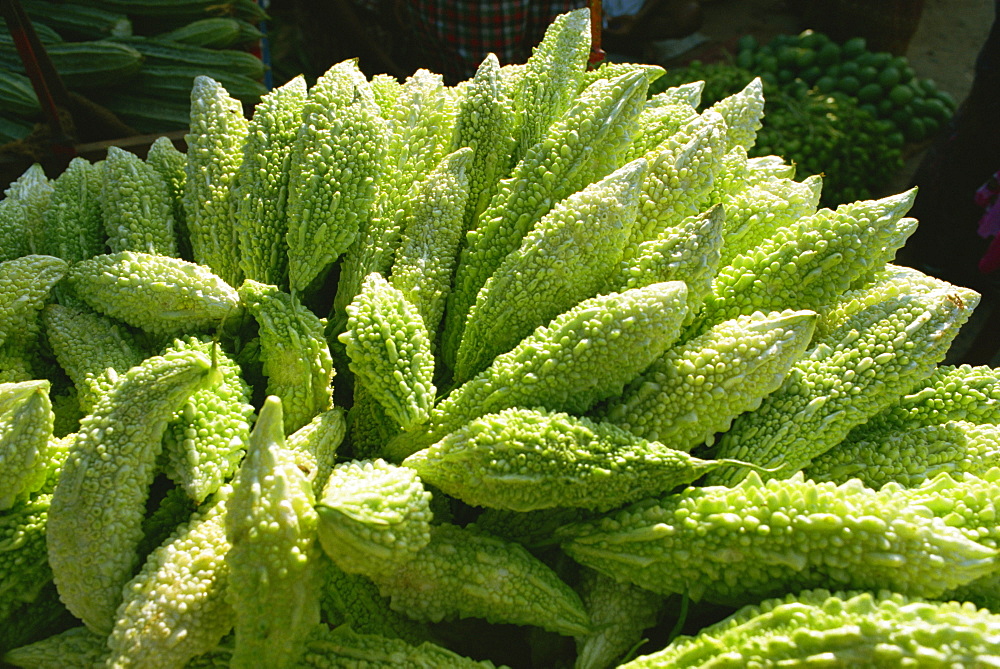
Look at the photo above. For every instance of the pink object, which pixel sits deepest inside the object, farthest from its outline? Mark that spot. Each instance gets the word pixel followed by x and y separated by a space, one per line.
pixel 988 197
pixel 991 259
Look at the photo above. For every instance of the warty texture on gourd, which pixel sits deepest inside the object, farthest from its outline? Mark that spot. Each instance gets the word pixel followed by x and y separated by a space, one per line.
pixel 439 353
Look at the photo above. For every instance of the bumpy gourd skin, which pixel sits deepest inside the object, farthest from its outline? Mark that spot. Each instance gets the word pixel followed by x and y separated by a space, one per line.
pixel 912 455
pixel 353 600
pixel 425 260
pixel 314 445
pixel 689 93
pixel 95 521
pixel 524 459
pixel 158 294
pixel 551 77
pixel 734 176
pixel 386 89
pixel 762 206
pixel 679 179
pixel 26 422
pixel 770 167
pixel 390 351
pixel 889 282
pixel 375 521
pixel 335 161
pixel 373 516
pixel 74 228
pixel 270 523
pixel 207 438
pixel 697 388
pixel 22 214
pixel 531 529
pixel 744 114
pixel 16 365
pixel 262 183
pixel 136 205
pixel 176 608
pixel 87 345
pixel 25 286
pixel 662 116
pixel 569 157
pixel 344 647
pixel 839 629
pixel 75 647
pixel 485 123
pixel 174 509
pixel 214 150
pixel 811 263
pixel 564 259
pixel 58 451
pixel 461 573
pixel 610 70
pixel 966 392
pixel 171 164
pixel 294 352
pixel 737 545
pixel 969 503
pixel 859 370
pixel 369 425
pixel 583 356
pixel 619 612
pixel 532 416
pixel 420 125
pixel 688 252
pixel 24 567
pixel 947 423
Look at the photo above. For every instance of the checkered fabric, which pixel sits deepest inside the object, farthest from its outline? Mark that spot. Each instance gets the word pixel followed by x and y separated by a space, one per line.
pixel 457 34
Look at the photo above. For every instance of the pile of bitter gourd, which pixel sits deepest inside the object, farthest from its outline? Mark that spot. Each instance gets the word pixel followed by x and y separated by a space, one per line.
pixel 522 371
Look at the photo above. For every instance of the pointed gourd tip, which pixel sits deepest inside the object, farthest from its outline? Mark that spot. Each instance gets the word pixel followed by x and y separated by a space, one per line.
pixel 416 460
pixel 270 419
pixel 903 200
pixel 577 15
pixel 633 172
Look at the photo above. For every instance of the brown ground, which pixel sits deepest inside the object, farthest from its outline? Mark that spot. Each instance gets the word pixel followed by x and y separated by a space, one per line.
pixel 947 40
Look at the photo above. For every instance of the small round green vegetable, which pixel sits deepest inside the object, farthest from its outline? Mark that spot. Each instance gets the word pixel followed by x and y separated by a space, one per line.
pixel 870 92
pixel 901 94
pixel 854 47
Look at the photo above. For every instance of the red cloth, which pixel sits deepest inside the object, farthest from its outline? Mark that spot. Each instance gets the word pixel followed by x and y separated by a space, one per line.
pixel 456 35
